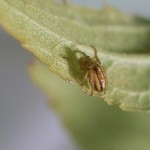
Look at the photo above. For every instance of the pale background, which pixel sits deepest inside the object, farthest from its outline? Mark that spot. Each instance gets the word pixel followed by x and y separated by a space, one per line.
pixel 26 121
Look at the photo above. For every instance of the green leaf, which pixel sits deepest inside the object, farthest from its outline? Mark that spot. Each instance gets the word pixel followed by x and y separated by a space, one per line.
pixel 52 31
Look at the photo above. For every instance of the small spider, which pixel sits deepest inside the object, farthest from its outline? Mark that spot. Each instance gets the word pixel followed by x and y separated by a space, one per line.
pixel 93 72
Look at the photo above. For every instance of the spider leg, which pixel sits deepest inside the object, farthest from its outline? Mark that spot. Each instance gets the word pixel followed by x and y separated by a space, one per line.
pixel 92 88
pixel 87 74
pixel 91 81
pixel 84 79
pixel 95 54
pixel 80 52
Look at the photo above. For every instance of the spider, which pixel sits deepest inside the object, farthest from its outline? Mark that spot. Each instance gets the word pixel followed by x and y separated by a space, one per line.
pixel 93 72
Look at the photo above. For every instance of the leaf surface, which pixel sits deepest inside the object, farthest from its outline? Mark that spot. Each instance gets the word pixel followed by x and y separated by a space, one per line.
pixel 52 31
